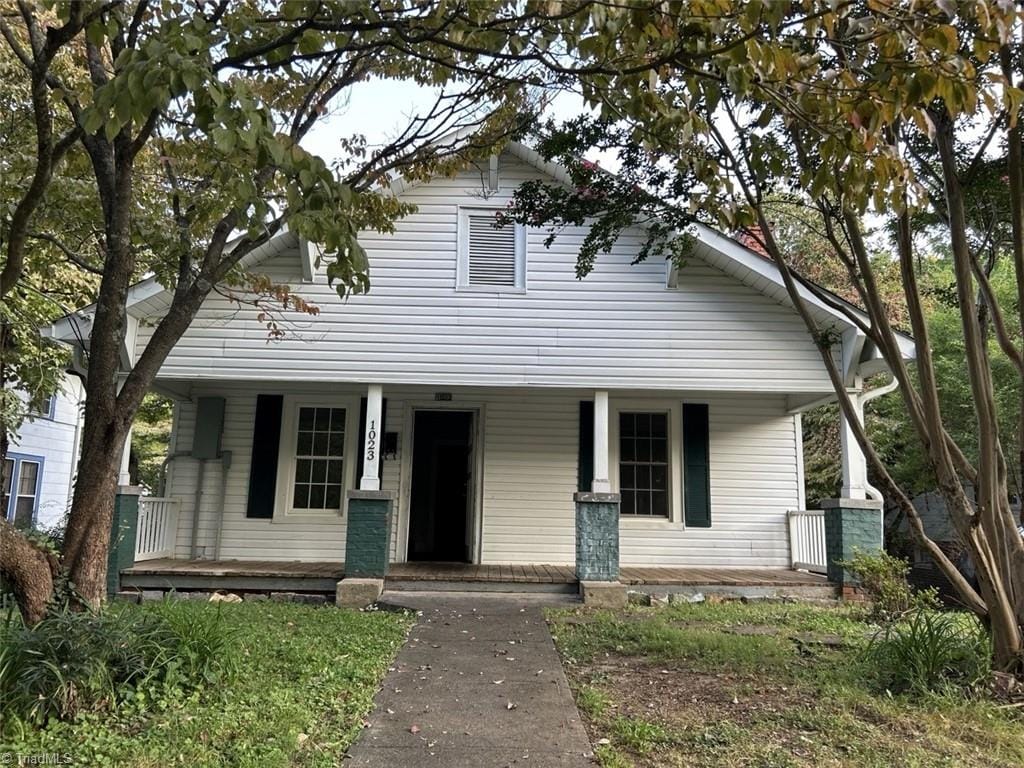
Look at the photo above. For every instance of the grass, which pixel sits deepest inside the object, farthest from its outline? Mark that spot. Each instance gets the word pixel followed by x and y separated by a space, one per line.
pixel 306 677
pixel 724 684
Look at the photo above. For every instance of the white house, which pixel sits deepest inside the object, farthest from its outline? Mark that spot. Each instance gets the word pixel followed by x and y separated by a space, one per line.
pixel 489 385
pixel 39 471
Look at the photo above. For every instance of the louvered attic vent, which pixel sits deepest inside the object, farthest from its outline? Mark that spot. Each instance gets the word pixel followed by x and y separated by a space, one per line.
pixel 491 251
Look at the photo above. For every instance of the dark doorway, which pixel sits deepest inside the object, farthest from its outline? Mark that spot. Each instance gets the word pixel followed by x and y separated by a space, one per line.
pixel 439 501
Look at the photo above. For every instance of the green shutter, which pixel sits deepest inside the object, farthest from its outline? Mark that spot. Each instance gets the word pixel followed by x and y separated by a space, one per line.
pixel 696 466
pixel 585 459
pixel 266 440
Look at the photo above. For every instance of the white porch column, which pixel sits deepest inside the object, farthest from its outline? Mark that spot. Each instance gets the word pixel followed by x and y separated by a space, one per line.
pixel 124 475
pixel 600 483
pixel 370 481
pixel 855 467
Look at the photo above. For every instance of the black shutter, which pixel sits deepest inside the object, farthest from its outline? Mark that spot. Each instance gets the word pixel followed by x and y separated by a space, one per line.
pixel 585 463
pixel 696 466
pixel 266 441
pixel 380 438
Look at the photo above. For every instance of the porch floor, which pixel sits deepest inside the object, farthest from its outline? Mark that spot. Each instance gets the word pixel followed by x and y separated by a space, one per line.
pixel 465 572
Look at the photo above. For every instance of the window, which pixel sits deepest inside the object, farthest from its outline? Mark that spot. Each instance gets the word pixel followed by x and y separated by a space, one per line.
pixel 46 410
pixel 319 458
pixel 20 489
pixel 6 480
pixel 644 463
pixel 490 257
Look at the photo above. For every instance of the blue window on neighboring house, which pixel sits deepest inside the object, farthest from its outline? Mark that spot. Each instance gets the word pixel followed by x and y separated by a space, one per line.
pixel 47 410
pixel 21 479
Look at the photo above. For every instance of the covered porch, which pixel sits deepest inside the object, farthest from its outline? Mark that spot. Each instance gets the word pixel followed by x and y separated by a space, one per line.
pixel 537 481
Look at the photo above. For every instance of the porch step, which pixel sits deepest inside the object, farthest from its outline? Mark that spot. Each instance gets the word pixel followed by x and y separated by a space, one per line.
pixel 425 585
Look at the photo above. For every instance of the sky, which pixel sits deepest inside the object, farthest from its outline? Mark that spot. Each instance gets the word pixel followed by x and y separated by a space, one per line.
pixel 380 109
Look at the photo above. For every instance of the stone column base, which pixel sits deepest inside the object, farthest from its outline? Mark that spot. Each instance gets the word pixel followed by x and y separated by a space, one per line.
pixel 603 594
pixel 123 529
pixel 368 534
pixel 597 537
pixel 358 593
pixel 851 526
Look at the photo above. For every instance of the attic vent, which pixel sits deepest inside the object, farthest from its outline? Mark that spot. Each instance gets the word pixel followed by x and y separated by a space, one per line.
pixel 490 257
pixel 492 252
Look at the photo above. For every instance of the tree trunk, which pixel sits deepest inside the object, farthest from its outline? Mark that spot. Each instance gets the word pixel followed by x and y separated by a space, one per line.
pixel 93 512
pixel 28 570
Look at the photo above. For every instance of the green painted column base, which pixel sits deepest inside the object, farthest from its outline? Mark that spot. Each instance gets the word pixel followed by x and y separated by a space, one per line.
pixel 123 528
pixel 597 536
pixel 368 534
pixel 851 526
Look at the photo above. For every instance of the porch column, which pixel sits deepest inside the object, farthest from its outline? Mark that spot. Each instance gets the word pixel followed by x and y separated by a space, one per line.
pixel 597 524
pixel 853 522
pixel 600 483
pixel 855 467
pixel 368 524
pixel 851 526
pixel 124 526
pixel 370 481
pixel 124 476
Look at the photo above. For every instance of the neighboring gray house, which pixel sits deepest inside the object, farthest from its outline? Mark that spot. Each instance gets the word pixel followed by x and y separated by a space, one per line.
pixel 39 472
pixel 931 507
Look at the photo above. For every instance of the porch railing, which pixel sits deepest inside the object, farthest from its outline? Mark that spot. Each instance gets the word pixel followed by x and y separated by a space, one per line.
pixel 807 540
pixel 158 527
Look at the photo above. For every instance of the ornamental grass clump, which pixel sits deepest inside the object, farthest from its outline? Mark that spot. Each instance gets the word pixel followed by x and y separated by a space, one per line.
pixel 929 651
pixel 74 662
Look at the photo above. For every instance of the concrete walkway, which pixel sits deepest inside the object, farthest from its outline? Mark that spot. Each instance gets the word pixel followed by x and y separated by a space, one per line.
pixel 479 684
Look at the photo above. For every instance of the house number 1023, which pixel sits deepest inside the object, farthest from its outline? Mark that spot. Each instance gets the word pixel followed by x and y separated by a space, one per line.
pixel 371 441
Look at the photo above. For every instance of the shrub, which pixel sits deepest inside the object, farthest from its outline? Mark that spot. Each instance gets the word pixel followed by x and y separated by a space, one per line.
pixel 884 578
pixel 74 662
pixel 929 651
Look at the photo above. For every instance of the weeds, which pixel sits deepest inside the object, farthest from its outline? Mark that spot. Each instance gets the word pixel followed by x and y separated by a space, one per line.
pixel 641 736
pixel 884 578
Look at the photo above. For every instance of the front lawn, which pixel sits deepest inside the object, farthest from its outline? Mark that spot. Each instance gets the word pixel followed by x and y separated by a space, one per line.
pixel 732 684
pixel 305 678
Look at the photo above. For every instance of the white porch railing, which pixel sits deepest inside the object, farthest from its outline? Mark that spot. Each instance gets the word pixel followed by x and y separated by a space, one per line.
pixel 158 528
pixel 807 540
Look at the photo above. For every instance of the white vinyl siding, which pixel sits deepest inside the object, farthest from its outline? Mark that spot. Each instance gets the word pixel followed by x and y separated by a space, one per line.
pixel 490 257
pixel 529 449
pixel 618 328
pixel 54 438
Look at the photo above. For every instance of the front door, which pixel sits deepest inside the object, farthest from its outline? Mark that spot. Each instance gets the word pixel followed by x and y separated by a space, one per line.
pixel 440 496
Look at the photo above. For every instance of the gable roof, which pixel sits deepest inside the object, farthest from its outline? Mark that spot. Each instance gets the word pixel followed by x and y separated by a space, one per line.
pixel 763 275
pixel 148 298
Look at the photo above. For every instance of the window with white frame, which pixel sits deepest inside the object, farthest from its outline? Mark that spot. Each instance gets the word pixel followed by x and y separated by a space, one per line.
pixel 491 257
pixel 20 490
pixel 319 458
pixel 644 463
pixel 46 409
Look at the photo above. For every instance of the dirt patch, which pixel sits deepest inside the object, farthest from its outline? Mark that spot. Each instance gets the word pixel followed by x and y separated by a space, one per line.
pixel 682 696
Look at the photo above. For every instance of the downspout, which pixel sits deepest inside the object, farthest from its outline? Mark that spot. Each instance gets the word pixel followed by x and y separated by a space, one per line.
pixel 162 483
pixel 865 398
pixel 225 465
pixel 196 502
